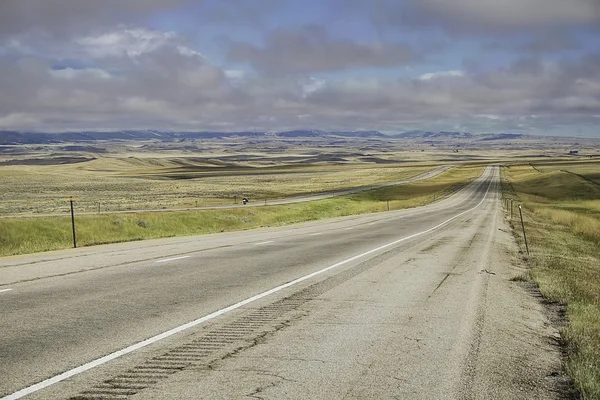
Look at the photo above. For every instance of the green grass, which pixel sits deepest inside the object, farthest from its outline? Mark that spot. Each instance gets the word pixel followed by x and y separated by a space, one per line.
pixel 562 212
pixel 26 235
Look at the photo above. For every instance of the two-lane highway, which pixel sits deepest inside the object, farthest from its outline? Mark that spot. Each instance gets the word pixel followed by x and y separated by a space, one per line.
pixel 369 306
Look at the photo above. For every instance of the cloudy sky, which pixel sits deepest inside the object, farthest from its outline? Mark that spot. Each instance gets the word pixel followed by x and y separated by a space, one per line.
pixel 530 66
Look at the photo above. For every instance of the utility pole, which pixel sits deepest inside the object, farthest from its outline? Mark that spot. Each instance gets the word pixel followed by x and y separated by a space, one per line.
pixel 523 226
pixel 73 223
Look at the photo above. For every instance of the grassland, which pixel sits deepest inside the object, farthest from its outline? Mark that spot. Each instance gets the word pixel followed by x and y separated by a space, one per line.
pixel 562 209
pixel 26 235
pixel 112 184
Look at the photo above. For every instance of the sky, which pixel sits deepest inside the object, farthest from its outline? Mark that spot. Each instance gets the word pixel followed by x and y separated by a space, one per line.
pixel 479 66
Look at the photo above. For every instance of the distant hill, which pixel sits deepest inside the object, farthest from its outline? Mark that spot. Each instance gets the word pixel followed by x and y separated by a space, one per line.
pixel 89 138
pixel 411 135
pixel 16 137
pixel 302 133
pixel 318 133
pixel 360 134
pixel 500 136
pixel 433 135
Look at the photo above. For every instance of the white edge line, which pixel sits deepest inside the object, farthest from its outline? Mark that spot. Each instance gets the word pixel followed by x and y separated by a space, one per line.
pixel 5 290
pixel 154 339
pixel 172 259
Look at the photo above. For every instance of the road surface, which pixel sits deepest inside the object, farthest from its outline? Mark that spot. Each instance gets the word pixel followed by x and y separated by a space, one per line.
pixel 258 202
pixel 414 304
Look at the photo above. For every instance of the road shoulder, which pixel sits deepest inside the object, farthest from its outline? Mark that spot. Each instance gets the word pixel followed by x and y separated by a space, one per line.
pixel 519 355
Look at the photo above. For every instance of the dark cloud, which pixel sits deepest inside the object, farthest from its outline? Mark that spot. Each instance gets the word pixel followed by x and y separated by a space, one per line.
pixel 310 49
pixel 60 17
pixel 551 42
pixel 482 17
pixel 244 12
pixel 554 42
pixel 508 14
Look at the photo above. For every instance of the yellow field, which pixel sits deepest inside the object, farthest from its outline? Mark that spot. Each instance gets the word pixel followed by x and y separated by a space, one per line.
pixel 154 183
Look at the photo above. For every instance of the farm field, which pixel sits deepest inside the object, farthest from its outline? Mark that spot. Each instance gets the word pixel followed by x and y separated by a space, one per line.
pixel 562 212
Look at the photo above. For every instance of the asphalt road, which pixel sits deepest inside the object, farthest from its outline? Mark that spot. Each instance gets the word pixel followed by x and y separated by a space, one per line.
pixel 405 304
pixel 258 202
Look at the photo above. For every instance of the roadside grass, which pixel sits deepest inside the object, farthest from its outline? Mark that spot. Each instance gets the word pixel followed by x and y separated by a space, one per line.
pixel 108 184
pixel 27 235
pixel 562 212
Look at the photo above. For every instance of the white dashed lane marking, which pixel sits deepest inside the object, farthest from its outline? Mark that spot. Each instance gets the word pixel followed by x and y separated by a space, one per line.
pixel 5 290
pixel 267 242
pixel 172 259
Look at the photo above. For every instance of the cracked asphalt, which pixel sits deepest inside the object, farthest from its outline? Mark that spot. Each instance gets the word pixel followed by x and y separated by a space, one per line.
pixel 402 307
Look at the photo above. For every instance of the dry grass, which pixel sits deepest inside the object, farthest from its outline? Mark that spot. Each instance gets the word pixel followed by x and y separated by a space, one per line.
pixel 563 228
pixel 137 184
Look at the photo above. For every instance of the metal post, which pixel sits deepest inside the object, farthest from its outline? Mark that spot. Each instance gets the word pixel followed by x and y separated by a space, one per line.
pixel 523 226
pixel 388 204
pixel 98 208
pixel 511 209
pixel 73 222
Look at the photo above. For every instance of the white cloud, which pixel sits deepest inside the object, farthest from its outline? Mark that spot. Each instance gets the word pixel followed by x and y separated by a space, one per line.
pixel 86 73
pixel 234 74
pixel 132 43
pixel 441 74
pixel 312 85
pixel 490 116
pixel 18 121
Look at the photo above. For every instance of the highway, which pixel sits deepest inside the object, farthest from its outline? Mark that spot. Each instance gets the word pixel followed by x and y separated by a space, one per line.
pixel 412 304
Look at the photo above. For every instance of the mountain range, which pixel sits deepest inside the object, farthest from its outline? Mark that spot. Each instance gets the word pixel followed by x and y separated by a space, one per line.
pixel 20 137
